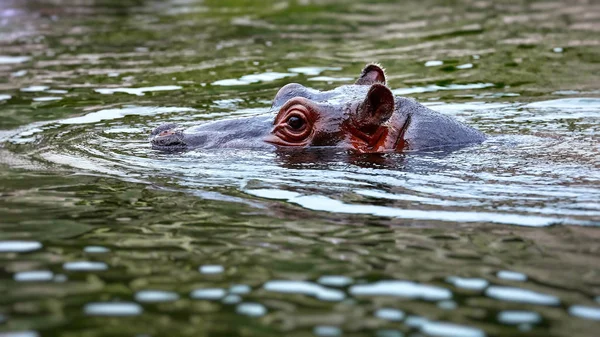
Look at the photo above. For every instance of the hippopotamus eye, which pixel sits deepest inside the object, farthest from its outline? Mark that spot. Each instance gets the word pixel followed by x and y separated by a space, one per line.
pixel 295 122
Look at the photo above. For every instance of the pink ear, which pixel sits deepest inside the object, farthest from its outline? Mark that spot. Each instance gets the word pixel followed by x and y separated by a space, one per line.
pixel 376 109
pixel 371 74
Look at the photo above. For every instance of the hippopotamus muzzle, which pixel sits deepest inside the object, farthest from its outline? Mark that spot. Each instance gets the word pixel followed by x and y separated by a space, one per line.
pixel 168 136
pixel 245 132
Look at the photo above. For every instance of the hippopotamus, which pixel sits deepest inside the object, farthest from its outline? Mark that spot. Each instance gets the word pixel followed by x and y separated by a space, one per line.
pixel 365 117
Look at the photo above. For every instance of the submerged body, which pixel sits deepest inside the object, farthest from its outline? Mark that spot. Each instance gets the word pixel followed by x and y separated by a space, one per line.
pixel 365 117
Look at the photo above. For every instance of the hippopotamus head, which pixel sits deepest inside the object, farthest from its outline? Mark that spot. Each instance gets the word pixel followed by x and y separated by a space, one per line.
pixel 364 116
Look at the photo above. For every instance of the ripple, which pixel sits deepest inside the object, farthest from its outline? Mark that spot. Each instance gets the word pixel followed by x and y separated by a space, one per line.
pixel 465 66
pixel 19 73
pixel 137 91
pixel 254 78
pixel 435 88
pixel 19 246
pixel 519 317
pixel 327 331
pixel 251 309
pixel 113 309
pixel 47 99
pixel 592 313
pixel 389 314
pixel 567 103
pixel 406 289
pixel 388 333
pixel 34 276
pixel 208 294
pixel 240 289
pixel 60 278
pixel 433 63
pixel 312 71
pixel 447 305
pixel 306 288
pixel 323 203
pixel 156 296
pixel 85 266
pixel 110 114
pixel 20 334
pixel 35 88
pixel 468 283
pixel 415 321
pixel 211 269
pixel 231 299
pixel 450 330
pixel 96 249
pixel 521 295
pixel 335 280
pixel 511 275
pixel 330 79
pixel 13 59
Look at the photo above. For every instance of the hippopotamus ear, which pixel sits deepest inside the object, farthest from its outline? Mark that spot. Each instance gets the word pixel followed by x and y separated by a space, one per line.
pixel 371 74
pixel 376 109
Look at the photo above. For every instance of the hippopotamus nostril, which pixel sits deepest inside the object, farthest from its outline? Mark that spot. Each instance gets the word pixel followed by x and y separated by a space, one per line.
pixel 166 133
pixel 163 127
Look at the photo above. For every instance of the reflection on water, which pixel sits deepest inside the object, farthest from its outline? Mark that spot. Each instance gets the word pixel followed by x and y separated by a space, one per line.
pixel 100 235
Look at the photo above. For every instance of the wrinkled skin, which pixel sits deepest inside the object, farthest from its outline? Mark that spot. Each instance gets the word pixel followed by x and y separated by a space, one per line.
pixel 364 117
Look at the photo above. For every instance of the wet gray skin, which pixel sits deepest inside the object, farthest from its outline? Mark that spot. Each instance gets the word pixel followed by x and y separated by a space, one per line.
pixel 340 115
pixel 246 132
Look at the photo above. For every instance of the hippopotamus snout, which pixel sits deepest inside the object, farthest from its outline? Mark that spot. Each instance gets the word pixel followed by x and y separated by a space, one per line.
pixel 167 136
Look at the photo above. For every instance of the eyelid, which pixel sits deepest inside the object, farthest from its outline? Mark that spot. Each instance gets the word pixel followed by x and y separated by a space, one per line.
pixel 301 102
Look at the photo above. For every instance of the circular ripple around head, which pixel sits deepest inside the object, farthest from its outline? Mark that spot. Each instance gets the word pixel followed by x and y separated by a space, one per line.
pixel 521 180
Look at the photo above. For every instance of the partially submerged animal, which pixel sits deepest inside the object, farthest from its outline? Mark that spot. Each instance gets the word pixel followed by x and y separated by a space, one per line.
pixel 365 117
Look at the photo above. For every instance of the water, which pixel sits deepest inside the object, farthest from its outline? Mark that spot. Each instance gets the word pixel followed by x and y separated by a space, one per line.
pixel 101 235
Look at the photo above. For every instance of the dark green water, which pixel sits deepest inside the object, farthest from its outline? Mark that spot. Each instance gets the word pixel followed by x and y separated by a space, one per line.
pixel 102 236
